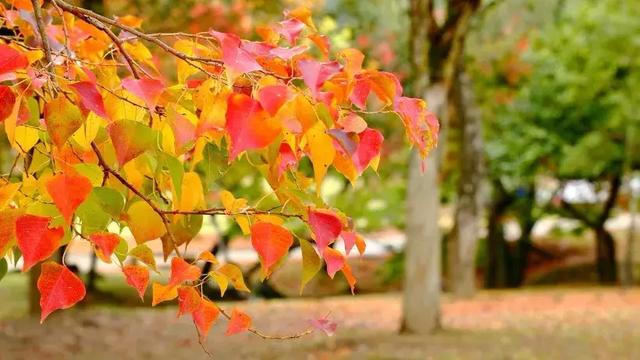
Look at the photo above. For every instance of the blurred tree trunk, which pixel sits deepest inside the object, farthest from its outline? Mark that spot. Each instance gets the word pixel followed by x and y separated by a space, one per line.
pixel 626 275
pixel 496 272
pixel 434 49
pixel 606 264
pixel 462 249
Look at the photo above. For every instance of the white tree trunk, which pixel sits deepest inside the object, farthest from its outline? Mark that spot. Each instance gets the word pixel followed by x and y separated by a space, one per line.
pixel 422 284
pixel 463 242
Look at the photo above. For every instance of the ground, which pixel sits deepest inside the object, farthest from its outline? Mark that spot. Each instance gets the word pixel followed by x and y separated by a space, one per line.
pixel 545 323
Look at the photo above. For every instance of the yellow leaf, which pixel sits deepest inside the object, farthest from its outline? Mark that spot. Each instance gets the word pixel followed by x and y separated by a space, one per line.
pixel 88 131
pixel 23 137
pixel 7 192
pixel 234 274
pixel 163 293
pixel 192 193
pixel 321 151
pixel 191 48
pixel 221 280
pixel 145 224
pixel 208 257
pixel 230 203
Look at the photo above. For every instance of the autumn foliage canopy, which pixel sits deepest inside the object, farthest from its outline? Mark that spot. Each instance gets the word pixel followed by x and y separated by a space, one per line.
pixel 113 128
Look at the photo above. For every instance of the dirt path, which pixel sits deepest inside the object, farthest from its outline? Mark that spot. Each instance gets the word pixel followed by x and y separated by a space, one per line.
pixel 528 324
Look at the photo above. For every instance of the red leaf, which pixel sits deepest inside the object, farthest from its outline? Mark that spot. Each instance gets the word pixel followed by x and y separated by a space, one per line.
pixel 188 300
pixel 248 125
pixel 327 326
pixel 315 73
pixel 105 244
pixel 272 97
pixel 239 322
pixel 287 159
pixel 35 239
pixel 184 132
pixel 204 317
pixel 326 227
pixel 182 271
pixel 59 289
pixel 368 148
pixel 7 101
pixel 137 276
pixel 360 92
pixel 271 241
pixel 335 261
pixel 149 90
pixel 68 192
pixel 233 56
pixel 90 98
pixel 290 29
pixel 11 60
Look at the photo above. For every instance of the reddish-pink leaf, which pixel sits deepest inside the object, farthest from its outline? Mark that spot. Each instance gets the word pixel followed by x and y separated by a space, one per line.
pixel 35 239
pixel 326 226
pixel 149 90
pixel 345 140
pixel 352 123
pixel 233 55
pixel 68 192
pixel 184 132
pixel 422 127
pixel 59 289
pixel 249 126
pixel 137 276
pixel 271 242
pixel 287 159
pixel 11 60
pixel 334 259
pixel 360 92
pixel 90 98
pixel 205 316
pixel 7 101
pixel 188 300
pixel 315 73
pixel 182 271
pixel 288 53
pixel 105 244
pixel 290 29
pixel 349 238
pixel 272 97
pixel 369 148
pixel 239 322
pixel 325 325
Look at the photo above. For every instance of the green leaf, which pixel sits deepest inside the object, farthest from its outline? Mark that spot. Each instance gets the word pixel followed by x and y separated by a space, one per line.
pixel 121 250
pixel 4 267
pixel 143 253
pixel 176 171
pixel 311 263
pixel 110 201
pixel 91 171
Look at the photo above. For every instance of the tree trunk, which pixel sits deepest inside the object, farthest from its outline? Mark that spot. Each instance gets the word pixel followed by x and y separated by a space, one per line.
pixel 627 267
pixel 422 284
pixel 496 272
pixel 464 240
pixel 606 256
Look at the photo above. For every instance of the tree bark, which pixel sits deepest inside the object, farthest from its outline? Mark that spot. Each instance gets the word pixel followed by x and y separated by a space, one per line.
pixel 496 272
pixel 606 256
pixel 464 240
pixel 423 279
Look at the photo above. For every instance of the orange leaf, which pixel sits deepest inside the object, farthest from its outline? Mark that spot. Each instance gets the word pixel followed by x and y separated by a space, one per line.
pixel 346 271
pixel 138 277
pixel 35 239
pixel 59 289
pixel 249 126
pixel 188 300
pixel 62 118
pixel 272 242
pixel 239 322
pixel 7 100
pixel 68 192
pixel 8 229
pixel 163 293
pixel 105 244
pixel 11 60
pixel 204 317
pixel 182 271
